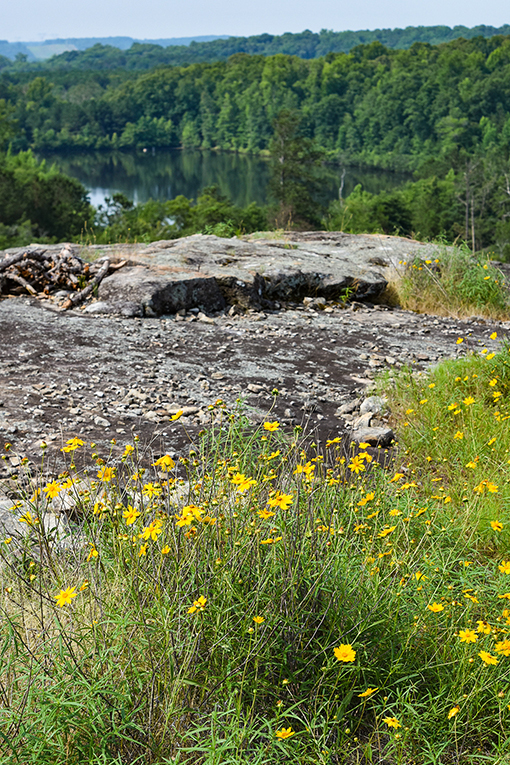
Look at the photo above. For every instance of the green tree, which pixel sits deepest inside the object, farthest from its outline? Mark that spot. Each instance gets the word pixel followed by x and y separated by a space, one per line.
pixel 294 181
pixel 39 203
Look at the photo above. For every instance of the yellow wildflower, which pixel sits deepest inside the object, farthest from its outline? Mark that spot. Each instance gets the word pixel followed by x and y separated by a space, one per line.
pixel 487 658
pixel 152 531
pixel 386 531
pixel 28 518
pixel 198 605
pixel 52 489
pixel 72 444
pixel 106 474
pixel 152 490
pixel 356 464
pixel 65 596
pixel 392 722
pixel 189 513
pixel 468 636
pixel 130 515
pixel 283 501
pixel 503 647
pixel 368 692
pixel 242 482
pixel 345 652
pixel 285 733
pixel 165 463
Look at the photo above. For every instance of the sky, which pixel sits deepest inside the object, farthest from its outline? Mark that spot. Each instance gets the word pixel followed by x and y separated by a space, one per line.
pixel 33 20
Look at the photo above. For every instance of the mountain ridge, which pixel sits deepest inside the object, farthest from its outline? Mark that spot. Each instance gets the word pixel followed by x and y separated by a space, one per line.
pixel 179 50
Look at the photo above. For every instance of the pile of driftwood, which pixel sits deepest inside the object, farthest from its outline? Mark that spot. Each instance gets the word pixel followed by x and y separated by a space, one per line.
pixel 46 271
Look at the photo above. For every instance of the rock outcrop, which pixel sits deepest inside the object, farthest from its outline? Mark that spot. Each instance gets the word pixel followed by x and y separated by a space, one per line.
pixel 209 272
pixel 257 272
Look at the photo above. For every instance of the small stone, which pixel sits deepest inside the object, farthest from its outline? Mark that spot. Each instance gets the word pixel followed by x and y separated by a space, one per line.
pixel 373 436
pixel 205 319
pixel 363 421
pixel 373 404
pixel 101 422
pixel 186 410
pixel 152 416
pixel 100 306
pixel 346 408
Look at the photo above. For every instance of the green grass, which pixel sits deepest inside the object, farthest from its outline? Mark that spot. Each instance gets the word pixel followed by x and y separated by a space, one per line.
pixel 125 673
pixel 454 283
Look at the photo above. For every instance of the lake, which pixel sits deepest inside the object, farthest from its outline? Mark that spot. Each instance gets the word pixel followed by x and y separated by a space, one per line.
pixel 164 174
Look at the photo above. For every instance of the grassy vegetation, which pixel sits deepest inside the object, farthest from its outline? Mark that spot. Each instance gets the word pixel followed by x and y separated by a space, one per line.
pixel 455 283
pixel 259 603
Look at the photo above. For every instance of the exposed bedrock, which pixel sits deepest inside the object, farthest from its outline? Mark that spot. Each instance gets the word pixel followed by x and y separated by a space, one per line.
pixel 210 273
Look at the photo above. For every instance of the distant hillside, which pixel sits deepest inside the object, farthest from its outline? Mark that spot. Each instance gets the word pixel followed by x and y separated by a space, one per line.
pixel 40 51
pixel 128 53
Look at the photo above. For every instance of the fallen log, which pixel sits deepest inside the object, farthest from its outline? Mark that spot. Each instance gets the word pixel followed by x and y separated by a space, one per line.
pixel 78 297
pixel 11 260
pixel 23 282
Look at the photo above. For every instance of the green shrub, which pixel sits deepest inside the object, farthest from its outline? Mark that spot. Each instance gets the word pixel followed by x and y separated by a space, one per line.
pixel 453 283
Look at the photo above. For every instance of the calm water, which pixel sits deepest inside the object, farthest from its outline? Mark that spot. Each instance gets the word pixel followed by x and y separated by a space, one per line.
pixel 164 174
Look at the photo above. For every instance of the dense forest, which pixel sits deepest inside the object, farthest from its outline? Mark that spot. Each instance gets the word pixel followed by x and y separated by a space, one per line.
pixel 145 55
pixel 442 111
pixel 381 107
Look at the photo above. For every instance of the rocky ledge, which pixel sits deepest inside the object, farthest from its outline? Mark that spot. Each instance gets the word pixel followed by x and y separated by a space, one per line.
pixel 210 273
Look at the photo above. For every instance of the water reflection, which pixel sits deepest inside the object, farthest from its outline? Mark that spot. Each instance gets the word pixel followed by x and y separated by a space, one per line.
pixel 164 174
